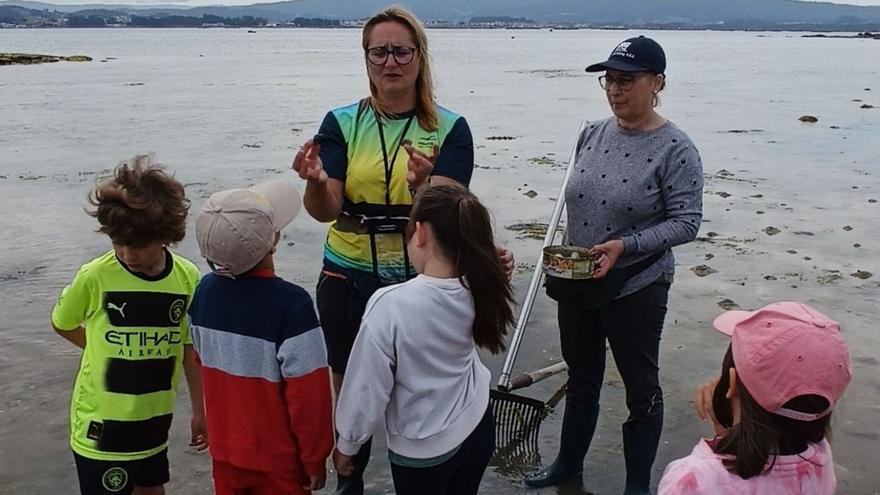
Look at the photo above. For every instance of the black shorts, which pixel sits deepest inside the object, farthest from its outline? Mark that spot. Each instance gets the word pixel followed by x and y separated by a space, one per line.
pixel 341 304
pixel 120 477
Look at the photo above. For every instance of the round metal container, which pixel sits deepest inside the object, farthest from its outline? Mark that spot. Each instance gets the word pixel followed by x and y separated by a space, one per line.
pixel 569 262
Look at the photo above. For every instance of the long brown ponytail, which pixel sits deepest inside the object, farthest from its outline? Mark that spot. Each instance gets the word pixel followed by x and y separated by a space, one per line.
pixel 463 230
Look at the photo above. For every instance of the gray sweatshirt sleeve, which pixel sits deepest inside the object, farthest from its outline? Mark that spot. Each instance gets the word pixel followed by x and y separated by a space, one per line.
pixel 682 185
pixel 369 379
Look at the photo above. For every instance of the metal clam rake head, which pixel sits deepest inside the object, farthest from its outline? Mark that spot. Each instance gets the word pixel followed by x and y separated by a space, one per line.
pixel 518 418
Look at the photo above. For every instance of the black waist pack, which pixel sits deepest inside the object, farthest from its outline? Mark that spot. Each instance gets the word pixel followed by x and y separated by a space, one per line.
pixel 593 294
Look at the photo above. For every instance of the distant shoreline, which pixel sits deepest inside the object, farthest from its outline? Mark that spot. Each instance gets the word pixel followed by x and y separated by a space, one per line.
pixel 861 33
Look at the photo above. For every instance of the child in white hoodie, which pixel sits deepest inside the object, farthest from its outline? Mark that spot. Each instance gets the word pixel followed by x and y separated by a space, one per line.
pixel 415 358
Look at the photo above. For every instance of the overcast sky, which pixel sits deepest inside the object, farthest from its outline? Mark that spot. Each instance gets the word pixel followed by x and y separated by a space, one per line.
pixel 249 2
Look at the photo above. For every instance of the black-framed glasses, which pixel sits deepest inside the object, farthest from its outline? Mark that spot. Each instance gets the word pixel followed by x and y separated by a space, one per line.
pixel 624 81
pixel 402 54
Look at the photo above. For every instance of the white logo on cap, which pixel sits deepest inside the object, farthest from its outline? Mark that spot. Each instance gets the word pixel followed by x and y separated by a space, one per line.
pixel 621 48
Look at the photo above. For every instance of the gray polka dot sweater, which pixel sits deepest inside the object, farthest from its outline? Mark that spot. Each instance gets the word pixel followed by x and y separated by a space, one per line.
pixel 645 187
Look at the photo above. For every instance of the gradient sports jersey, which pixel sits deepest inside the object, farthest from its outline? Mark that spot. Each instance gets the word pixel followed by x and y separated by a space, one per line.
pixel 136 328
pixel 352 152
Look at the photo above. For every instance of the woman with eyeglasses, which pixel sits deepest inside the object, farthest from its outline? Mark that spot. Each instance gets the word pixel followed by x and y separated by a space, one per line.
pixel 362 171
pixel 635 193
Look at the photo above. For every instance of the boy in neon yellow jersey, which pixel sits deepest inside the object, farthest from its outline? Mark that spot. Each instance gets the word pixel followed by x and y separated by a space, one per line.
pixel 127 310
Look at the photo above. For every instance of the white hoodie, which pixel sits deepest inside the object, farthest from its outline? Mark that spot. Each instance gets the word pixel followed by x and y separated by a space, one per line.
pixel 414 360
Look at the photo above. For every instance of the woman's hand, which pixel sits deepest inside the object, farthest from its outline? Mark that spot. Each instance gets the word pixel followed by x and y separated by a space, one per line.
pixel 419 164
pixel 308 164
pixel 505 261
pixel 344 463
pixel 605 256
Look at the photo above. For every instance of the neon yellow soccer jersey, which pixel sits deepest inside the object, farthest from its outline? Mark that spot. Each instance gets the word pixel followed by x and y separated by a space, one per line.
pixel 136 328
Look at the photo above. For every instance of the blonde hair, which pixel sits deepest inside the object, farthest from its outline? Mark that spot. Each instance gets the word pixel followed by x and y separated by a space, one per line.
pixel 426 108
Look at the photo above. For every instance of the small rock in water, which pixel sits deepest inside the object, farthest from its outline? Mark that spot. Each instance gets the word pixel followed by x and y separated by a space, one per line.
pixel 791 251
pixel 771 230
pixel 807 258
pixel 728 304
pixel 808 119
pixel 759 212
pixel 862 274
pixel 703 270
pixel 709 256
pixel 759 196
pixel 834 127
pixel 847 228
pixel 500 138
pixel 857 245
pixel 723 194
pixel 804 232
pixel 872 200
pixel 770 277
pixel 712 234
pixel 866 106
pixel 531 193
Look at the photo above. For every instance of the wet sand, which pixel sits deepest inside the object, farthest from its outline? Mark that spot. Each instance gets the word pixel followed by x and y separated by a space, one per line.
pixel 790 213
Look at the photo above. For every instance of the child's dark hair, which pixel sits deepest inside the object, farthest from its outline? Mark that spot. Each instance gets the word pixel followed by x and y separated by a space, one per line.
pixel 139 204
pixel 463 230
pixel 751 446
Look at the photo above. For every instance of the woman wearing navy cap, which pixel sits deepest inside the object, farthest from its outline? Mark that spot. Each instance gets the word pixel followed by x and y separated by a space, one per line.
pixel 635 193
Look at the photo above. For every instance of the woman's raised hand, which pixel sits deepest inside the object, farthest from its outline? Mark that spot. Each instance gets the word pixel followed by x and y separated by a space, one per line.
pixel 308 164
pixel 419 164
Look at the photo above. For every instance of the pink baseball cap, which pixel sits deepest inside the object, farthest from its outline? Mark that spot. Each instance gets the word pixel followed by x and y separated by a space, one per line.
pixel 785 350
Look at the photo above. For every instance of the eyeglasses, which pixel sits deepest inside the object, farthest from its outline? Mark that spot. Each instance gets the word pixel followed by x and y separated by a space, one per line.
pixel 402 54
pixel 624 82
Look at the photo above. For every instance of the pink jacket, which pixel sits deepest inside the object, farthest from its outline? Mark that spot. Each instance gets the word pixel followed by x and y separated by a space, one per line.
pixel 701 473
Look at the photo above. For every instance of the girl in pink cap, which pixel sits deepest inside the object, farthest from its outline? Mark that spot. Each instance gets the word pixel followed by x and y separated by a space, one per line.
pixel 786 367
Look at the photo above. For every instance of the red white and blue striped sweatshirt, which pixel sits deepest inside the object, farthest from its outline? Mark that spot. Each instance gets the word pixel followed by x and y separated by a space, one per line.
pixel 264 373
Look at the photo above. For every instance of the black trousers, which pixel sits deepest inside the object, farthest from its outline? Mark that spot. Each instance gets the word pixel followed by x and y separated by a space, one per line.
pixel 632 326
pixel 459 475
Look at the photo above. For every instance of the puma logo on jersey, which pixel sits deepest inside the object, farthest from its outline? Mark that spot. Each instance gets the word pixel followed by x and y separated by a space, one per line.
pixel 121 309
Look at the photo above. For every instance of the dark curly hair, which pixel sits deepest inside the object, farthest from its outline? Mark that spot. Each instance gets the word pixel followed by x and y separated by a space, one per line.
pixel 140 203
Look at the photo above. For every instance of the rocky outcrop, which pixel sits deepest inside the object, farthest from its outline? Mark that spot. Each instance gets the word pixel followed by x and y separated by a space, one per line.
pixel 31 58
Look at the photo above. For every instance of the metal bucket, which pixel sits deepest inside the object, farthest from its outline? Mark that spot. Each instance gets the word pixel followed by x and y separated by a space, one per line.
pixel 571 262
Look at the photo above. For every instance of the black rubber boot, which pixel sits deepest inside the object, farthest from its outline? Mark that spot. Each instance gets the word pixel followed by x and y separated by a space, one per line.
pixel 354 484
pixel 578 426
pixel 639 450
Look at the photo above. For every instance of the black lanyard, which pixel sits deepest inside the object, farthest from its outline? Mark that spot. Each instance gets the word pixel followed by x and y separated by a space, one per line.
pixel 389 166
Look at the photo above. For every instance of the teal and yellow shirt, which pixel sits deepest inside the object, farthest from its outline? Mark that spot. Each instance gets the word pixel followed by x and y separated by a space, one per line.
pixel 136 328
pixel 352 152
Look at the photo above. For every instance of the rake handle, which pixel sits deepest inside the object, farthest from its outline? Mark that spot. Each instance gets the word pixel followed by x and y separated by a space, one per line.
pixel 526 309
pixel 532 377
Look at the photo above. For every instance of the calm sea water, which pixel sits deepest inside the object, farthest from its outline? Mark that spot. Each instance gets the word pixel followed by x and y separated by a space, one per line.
pixel 226 108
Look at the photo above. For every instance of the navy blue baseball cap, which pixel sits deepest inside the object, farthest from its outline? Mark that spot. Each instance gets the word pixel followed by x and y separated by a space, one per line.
pixel 634 55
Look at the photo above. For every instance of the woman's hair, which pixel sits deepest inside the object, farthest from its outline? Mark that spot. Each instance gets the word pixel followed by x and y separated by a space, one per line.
pixel 426 109
pixel 140 203
pixel 463 230
pixel 751 446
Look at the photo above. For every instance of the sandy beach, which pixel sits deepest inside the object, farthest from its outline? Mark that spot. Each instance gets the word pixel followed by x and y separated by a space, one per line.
pixel 790 208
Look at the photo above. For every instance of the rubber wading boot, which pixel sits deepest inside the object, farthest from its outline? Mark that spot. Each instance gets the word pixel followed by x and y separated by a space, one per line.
pixel 578 426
